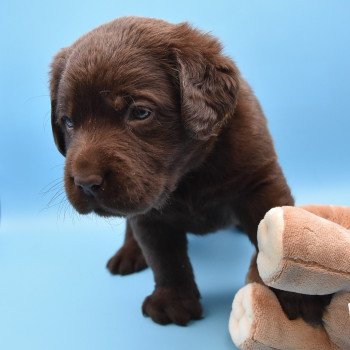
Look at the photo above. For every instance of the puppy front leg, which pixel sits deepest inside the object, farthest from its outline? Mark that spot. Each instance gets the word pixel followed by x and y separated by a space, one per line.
pixel 252 208
pixel 176 296
pixel 129 258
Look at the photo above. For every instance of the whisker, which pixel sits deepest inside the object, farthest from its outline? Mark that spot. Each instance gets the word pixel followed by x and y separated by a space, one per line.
pixel 56 166
pixel 56 188
pixel 62 208
pixel 53 188
pixel 57 195
pixel 49 206
pixel 50 185
pixel 33 98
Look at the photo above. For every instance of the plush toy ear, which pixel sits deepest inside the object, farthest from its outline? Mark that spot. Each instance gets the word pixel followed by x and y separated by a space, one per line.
pixel 209 85
pixel 57 67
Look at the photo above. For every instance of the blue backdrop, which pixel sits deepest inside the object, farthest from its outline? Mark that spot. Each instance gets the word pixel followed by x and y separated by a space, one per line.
pixel 54 290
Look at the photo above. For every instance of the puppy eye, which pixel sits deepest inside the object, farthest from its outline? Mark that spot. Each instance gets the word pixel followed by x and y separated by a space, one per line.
pixel 68 123
pixel 140 113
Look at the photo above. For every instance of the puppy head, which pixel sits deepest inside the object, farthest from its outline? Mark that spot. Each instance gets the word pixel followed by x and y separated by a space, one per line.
pixel 136 104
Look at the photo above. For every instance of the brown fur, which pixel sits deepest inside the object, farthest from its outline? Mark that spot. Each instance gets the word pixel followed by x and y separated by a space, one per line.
pixel 201 160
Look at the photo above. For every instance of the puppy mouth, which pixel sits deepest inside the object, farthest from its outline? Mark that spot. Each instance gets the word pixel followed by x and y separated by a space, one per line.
pixel 107 212
pixel 87 204
pixel 103 210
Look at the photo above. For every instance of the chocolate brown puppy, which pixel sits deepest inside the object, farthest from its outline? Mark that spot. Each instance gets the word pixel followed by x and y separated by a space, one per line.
pixel 158 126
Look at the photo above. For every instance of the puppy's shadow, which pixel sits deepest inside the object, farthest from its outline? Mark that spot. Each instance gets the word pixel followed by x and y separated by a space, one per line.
pixel 218 305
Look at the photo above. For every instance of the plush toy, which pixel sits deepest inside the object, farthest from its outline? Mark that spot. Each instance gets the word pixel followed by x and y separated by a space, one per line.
pixel 304 250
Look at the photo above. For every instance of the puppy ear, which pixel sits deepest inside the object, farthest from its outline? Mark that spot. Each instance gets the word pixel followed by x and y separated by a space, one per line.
pixel 208 84
pixel 57 66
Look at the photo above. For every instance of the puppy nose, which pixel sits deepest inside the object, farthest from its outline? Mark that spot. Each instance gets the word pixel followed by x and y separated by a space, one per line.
pixel 89 184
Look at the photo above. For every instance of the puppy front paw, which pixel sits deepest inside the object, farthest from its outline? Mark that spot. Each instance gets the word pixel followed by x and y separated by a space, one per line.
pixel 169 305
pixel 309 307
pixel 127 260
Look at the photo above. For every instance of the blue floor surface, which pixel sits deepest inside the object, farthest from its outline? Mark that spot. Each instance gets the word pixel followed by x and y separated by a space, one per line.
pixel 56 293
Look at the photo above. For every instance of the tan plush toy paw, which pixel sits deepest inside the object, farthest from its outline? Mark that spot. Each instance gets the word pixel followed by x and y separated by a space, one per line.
pixel 304 250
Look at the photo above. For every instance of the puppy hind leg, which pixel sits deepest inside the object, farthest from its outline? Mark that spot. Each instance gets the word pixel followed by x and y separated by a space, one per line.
pixel 129 258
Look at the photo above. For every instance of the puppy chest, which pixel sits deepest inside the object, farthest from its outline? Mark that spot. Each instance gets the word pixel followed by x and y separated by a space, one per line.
pixel 203 217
